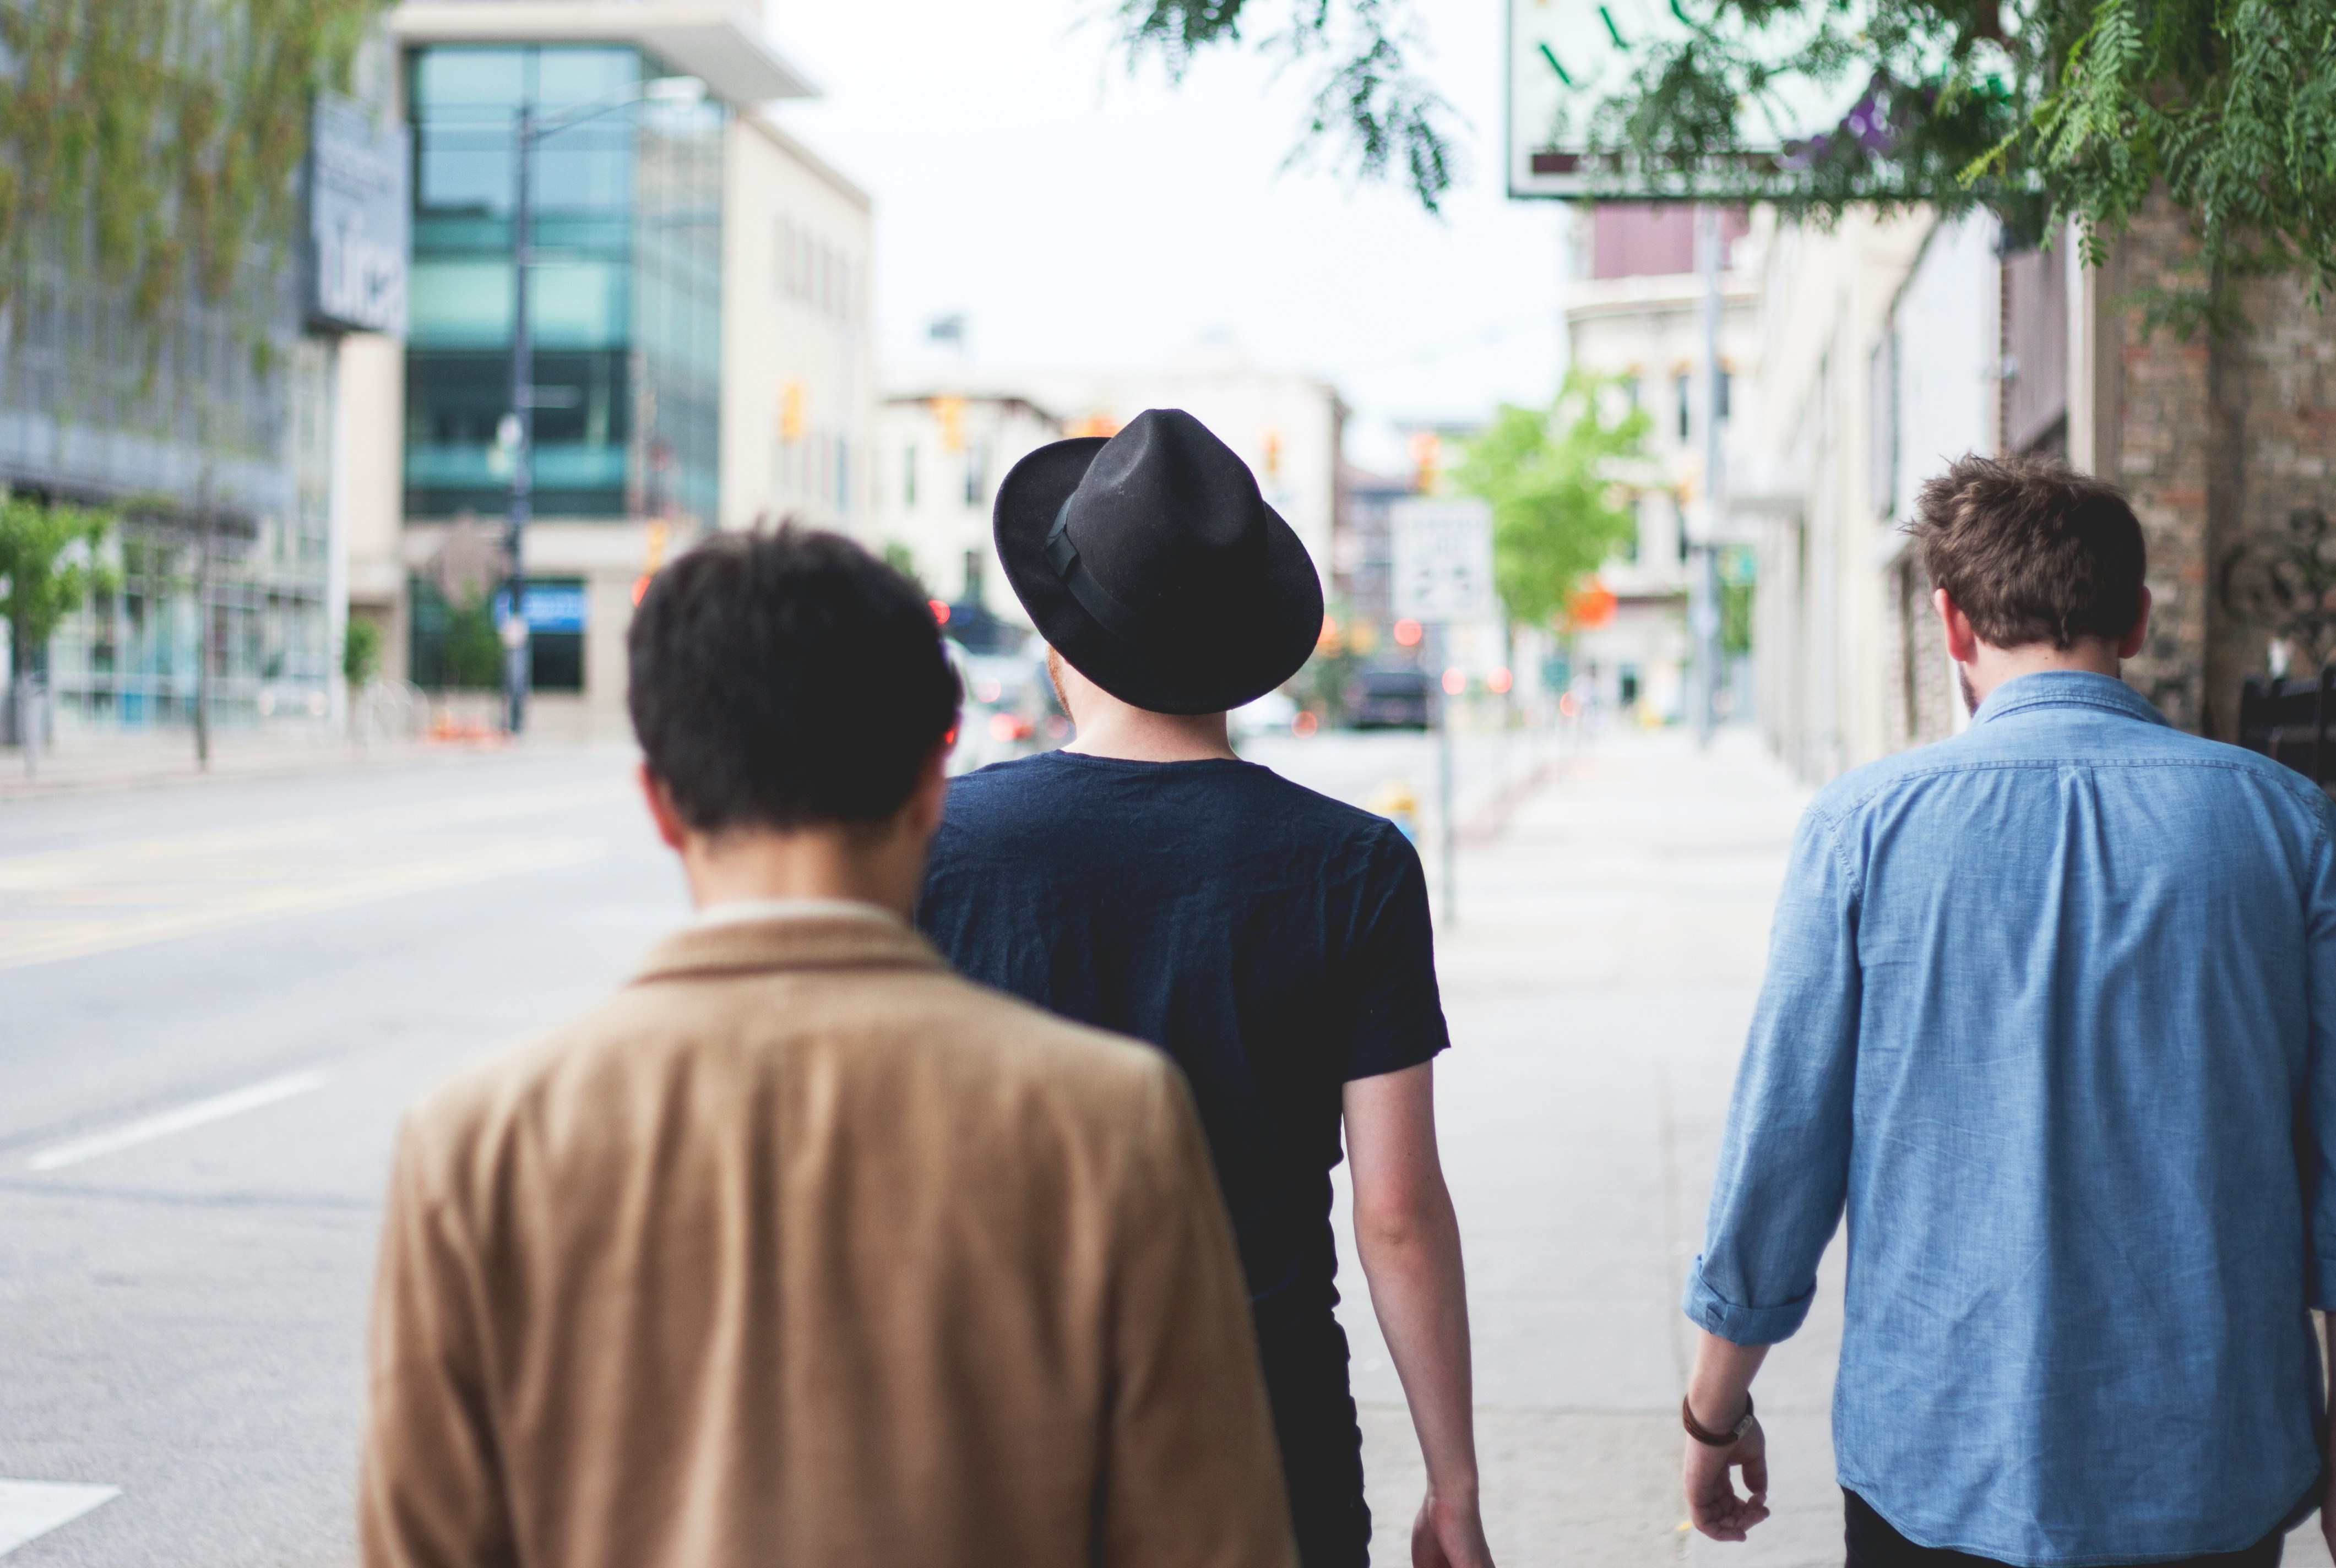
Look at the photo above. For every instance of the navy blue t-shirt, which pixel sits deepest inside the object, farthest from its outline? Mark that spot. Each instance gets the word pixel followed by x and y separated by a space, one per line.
pixel 1275 942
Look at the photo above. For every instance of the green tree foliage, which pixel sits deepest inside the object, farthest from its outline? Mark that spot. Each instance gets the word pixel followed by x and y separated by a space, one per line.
pixel 1553 477
pixel 2040 110
pixel 1392 124
pixel 158 138
pixel 902 560
pixel 2043 110
pixel 48 561
pixel 360 651
pixel 474 652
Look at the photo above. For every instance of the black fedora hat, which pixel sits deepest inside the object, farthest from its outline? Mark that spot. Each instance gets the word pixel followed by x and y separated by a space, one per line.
pixel 1150 562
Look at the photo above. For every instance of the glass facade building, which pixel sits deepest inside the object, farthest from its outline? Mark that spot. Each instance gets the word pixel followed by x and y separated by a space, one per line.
pixel 624 292
pixel 207 431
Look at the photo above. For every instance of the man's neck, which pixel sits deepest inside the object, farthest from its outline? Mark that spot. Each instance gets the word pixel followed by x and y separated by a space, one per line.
pixel 825 864
pixel 1994 666
pixel 1113 729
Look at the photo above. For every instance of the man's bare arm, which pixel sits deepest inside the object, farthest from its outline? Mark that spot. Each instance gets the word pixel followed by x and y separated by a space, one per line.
pixel 1718 1391
pixel 1408 1239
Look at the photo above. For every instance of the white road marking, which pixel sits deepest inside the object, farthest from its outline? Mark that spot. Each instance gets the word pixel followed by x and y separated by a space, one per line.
pixel 249 1098
pixel 30 1508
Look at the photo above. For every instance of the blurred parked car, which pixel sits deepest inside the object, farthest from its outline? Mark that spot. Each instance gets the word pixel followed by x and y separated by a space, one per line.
pixel 1008 701
pixel 1387 699
pixel 1273 714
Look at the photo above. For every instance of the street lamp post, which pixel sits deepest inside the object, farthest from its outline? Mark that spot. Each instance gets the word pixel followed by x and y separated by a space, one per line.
pixel 526 131
pixel 1703 562
pixel 517 671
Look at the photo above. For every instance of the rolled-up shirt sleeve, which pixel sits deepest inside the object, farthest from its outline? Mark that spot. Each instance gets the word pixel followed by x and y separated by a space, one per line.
pixel 1784 1162
pixel 2319 1087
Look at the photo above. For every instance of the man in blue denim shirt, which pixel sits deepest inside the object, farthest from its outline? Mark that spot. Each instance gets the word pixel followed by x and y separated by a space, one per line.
pixel 2051 1009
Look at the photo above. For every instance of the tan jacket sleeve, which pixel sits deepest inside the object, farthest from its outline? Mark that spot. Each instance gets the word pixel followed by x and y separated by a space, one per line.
pixel 430 1494
pixel 1192 1473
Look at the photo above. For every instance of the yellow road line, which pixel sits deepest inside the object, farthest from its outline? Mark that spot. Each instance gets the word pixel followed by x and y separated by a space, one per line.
pixel 47 941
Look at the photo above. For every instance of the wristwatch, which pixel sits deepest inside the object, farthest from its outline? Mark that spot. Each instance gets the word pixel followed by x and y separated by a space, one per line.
pixel 1704 1435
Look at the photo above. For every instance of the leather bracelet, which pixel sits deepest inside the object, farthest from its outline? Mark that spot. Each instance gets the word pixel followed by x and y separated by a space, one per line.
pixel 1706 1436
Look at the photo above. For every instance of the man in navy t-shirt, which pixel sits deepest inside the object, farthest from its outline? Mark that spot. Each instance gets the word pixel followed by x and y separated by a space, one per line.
pixel 1275 942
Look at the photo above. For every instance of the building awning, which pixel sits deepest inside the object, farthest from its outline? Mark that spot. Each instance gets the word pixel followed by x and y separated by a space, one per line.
pixel 721 45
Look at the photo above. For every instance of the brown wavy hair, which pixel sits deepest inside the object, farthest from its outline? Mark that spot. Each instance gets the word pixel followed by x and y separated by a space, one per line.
pixel 2032 550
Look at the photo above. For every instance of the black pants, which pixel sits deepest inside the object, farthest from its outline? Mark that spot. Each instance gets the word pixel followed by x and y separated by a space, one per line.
pixel 1874 1542
pixel 1305 1364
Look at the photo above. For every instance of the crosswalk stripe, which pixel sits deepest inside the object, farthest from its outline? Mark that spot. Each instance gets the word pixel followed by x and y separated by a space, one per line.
pixel 30 1508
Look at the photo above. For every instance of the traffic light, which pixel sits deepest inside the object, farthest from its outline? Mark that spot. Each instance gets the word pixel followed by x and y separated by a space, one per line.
pixel 791 411
pixel 949 411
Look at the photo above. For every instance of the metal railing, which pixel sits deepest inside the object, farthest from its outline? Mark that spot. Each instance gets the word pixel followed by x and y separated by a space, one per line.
pixel 2290 721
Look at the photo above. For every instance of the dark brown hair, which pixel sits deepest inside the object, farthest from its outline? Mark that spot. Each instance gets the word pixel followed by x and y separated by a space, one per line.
pixel 2032 550
pixel 785 681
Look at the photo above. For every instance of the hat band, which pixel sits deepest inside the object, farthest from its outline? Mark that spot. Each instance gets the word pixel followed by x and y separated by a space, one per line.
pixel 1123 621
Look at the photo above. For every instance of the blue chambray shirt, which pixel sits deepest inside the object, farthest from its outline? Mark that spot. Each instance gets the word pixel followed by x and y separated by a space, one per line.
pixel 2051 1007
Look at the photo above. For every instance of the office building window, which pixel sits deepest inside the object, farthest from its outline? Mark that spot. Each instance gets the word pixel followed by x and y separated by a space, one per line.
pixel 909 475
pixel 976 473
pixel 623 300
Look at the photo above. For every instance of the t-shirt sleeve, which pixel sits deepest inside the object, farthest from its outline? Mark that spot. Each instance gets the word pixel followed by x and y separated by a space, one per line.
pixel 1399 1012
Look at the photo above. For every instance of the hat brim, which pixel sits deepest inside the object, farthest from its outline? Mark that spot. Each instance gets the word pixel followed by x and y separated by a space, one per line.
pixel 1277 634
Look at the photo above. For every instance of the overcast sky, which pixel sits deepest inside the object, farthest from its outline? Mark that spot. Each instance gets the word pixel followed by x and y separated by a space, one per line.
pixel 1078 217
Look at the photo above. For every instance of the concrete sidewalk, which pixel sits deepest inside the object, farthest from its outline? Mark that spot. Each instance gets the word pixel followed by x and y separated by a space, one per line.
pixel 1597 990
pixel 99 762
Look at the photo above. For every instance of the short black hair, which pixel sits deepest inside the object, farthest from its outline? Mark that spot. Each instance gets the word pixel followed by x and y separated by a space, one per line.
pixel 2031 551
pixel 785 681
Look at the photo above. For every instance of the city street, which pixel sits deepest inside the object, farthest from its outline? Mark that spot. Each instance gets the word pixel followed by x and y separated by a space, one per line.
pixel 219 997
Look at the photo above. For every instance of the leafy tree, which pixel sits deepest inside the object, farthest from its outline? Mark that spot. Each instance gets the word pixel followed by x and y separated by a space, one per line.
pixel 48 561
pixel 473 656
pixel 902 560
pixel 2040 110
pixel 1553 478
pixel 156 139
pixel 360 651
pixel 1393 123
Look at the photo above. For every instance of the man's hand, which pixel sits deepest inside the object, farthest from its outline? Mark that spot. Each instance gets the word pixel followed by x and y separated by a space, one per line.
pixel 1449 1534
pixel 1711 1499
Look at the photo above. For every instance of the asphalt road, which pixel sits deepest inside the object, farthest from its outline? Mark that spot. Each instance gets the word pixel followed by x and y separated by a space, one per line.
pixel 184 1311
pixel 215 999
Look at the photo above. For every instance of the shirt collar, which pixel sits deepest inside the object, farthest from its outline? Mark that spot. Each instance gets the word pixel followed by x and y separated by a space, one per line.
pixel 738 912
pixel 2066 688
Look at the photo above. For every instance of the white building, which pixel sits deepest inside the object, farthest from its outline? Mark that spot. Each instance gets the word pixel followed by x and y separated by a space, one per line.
pixel 1286 426
pixel 699 306
pixel 1880 343
pixel 940 453
pixel 1634 309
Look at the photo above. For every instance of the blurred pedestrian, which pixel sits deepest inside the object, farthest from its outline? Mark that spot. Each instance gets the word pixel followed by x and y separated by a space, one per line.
pixel 801 1249
pixel 1274 942
pixel 2051 1009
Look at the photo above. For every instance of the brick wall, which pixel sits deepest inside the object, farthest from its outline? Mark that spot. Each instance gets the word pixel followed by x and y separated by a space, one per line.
pixel 2217 440
pixel 2157 449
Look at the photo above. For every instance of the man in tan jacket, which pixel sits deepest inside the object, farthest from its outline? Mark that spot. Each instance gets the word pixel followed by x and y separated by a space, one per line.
pixel 800 1249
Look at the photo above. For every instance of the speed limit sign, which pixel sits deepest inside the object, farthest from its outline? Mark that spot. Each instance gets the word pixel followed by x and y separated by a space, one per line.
pixel 1443 560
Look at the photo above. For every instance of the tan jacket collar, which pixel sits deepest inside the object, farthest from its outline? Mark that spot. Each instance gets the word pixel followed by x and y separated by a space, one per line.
pixel 788 942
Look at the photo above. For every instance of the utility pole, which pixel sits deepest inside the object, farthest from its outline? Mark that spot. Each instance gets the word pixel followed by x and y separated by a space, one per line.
pixel 1703 540
pixel 526 131
pixel 1446 828
pixel 203 617
pixel 523 442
